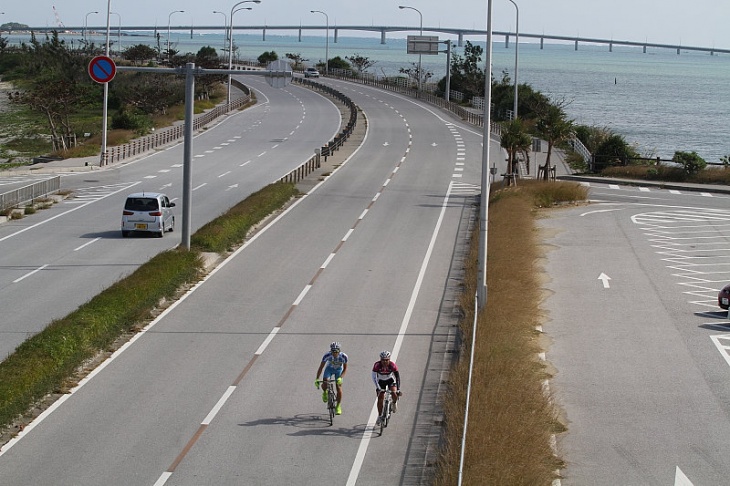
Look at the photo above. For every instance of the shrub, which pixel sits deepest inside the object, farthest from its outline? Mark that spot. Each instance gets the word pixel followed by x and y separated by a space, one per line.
pixel 691 162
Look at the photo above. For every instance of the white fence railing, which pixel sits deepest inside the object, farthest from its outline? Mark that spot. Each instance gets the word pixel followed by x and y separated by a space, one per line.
pixel 27 194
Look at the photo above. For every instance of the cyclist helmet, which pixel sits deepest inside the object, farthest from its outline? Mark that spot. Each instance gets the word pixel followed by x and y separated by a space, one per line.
pixel 335 346
pixel 385 355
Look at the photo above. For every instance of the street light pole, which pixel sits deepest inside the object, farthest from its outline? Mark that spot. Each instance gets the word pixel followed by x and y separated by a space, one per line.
pixel 225 24
pixel 86 22
pixel 168 32
pixel 326 42
pixel 230 44
pixel 119 32
pixel 105 110
pixel 517 50
pixel 420 74
pixel 484 201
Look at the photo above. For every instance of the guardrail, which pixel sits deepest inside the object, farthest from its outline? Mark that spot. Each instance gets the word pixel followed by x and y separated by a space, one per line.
pixel 29 193
pixel 325 151
pixel 398 87
pixel 168 135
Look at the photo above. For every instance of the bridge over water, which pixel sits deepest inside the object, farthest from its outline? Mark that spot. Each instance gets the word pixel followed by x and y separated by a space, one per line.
pixel 460 34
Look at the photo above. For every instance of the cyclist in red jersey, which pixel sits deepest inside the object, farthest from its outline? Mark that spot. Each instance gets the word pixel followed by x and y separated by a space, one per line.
pixel 386 377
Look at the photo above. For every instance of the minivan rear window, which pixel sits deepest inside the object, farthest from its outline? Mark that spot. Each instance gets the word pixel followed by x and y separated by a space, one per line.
pixel 141 204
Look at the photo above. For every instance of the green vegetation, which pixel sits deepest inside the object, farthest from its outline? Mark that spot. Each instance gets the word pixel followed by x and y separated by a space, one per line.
pixel 56 104
pixel 228 230
pixel 511 417
pixel 45 362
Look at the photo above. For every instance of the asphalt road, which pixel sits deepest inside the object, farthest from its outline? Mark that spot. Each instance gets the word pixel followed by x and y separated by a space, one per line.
pixel 639 345
pixel 57 259
pixel 219 389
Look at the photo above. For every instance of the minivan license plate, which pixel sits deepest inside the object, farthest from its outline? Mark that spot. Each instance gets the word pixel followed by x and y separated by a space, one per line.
pixel 725 301
pixel 140 226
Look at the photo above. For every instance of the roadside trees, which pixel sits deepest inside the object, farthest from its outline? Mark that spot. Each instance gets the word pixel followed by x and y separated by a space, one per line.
pixel 515 140
pixel 554 126
pixel 361 63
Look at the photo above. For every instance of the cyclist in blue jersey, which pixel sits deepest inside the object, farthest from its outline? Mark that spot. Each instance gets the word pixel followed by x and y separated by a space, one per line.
pixel 334 364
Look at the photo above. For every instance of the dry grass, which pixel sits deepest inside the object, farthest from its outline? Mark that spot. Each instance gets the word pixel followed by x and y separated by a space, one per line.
pixel 709 175
pixel 511 418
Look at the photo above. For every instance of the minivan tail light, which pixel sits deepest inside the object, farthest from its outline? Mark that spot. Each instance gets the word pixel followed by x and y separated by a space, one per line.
pixel 156 213
pixel 127 213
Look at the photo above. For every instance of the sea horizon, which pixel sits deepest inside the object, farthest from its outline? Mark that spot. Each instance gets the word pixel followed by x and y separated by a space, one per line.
pixel 659 101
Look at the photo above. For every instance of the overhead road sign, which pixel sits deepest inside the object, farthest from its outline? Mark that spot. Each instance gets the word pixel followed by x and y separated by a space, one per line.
pixel 423 44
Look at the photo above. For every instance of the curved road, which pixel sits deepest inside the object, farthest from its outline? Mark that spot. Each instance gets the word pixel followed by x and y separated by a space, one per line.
pixel 219 389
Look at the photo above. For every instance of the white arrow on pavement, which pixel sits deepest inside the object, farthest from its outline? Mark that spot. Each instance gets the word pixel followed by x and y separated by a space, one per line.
pixel 386 144
pixel 434 144
pixel 605 278
pixel 680 479
pixel 234 186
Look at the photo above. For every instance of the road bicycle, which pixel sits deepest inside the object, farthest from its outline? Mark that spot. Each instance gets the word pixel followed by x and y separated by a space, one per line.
pixel 387 409
pixel 331 399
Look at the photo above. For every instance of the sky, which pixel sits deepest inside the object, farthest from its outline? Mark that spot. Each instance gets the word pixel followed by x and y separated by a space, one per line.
pixel 703 23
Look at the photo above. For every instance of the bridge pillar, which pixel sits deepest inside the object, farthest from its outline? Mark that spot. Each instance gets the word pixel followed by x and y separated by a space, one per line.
pixel 337 33
pixel 610 47
pixel 644 48
pixel 382 36
pixel 576 44
pixel 264 34
pixel 461 40
pixel 300 34
pixel 506 41
pixel 542 42
pixel 678 48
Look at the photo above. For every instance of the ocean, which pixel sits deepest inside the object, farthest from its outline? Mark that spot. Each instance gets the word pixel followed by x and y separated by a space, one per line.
pixel 659 101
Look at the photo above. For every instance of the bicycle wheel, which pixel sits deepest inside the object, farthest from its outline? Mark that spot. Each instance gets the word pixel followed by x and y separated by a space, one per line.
pixel 386 413
pixel 331 405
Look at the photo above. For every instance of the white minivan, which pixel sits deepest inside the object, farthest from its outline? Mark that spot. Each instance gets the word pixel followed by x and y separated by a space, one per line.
pixel 148 212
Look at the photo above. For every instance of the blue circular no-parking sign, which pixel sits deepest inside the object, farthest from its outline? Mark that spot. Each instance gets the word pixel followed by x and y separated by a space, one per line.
pixel 102 69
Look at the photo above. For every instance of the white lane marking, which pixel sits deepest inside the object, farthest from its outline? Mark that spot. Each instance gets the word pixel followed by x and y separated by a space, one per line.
pixel 365 441
pixel 207 420
pixel 674 191
pixel 245 163
pixel 266 342
pixel 198 156
pixel 201 185
pixel 722 347
pixel 604 278
pixel 87 244
pixel 302 294
pixel 347 235
pixel 164 170
pixel 150 177
pixel 644 189
pixel 327 261
pixel 262 154
pixel 224 174
pixel 30 273
pixel 613 186
pixel 67 212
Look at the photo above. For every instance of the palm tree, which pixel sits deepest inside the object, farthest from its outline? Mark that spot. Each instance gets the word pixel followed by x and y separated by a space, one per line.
pixel 555 127
pixel 514 139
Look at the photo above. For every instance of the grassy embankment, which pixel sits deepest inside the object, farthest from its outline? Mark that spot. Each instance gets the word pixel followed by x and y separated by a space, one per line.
pixel 511 417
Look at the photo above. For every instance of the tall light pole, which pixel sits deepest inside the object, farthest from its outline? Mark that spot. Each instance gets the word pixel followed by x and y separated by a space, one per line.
pixel 169 17
pixel 420 74
pixel 225 24
pixel 517 50
pixel 86 22
pixel 484 201
pixel 119 32
pixel 230 43
pixel 105 110
pixel 326 42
